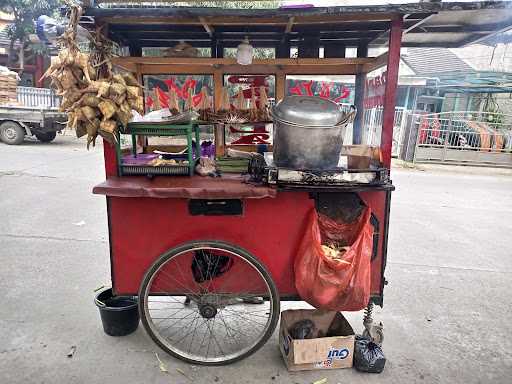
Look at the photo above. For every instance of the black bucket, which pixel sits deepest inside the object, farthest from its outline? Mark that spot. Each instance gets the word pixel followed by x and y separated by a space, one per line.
pixel 119 314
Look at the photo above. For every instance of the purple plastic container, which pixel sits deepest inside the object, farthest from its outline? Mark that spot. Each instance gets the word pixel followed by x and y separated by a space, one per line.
pixel 207 149
pixel 141 159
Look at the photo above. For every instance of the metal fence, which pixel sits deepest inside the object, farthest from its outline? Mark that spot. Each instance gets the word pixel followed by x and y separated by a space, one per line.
pixel 37 97
pixel 372 123
pixel 464 138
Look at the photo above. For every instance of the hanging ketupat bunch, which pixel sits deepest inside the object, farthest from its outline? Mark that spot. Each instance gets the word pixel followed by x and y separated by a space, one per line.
pixel 95 100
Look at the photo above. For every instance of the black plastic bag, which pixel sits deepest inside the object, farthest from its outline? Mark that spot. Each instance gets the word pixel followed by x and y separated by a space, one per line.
pixel 368 356
pixel 206 265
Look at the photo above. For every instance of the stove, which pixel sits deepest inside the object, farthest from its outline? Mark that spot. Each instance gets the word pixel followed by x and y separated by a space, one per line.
pixel 337 178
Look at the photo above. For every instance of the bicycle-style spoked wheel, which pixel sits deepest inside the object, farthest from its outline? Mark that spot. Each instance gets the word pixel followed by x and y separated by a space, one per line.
pixel 208 303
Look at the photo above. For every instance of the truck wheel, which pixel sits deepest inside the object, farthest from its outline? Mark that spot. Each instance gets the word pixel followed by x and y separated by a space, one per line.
pixel 11 133
pixel 46 137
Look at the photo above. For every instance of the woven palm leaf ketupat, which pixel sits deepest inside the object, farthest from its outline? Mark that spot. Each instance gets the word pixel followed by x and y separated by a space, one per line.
pixel 174 104
pixel 96 100
pixel 253 110
pixel 264 111
pixel 205 105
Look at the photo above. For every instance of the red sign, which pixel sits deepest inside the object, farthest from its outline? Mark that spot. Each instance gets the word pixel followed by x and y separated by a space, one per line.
pixel 304 87
pixel 250 80
pixel 258 135
pixel 181 92
pixel 374 90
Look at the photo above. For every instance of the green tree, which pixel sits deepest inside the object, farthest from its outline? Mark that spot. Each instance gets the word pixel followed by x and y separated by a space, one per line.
pixel 25 12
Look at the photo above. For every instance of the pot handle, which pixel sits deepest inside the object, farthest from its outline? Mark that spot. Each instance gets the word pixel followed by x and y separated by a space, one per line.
pixel 350 116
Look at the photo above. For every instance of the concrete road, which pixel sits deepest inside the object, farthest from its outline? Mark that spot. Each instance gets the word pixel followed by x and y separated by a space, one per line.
pixel 447 306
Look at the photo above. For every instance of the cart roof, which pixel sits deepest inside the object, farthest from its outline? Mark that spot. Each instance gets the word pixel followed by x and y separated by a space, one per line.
pixel 452 24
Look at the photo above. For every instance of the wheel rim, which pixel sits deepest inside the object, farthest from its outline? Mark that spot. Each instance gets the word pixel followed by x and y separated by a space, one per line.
pixel 208 317
pixel 10 133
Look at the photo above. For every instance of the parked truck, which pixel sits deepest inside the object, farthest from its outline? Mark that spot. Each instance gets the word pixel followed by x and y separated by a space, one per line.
pixel 35 114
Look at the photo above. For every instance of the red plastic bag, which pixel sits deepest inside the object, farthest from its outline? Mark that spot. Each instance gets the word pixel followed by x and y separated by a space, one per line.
pixel 342 285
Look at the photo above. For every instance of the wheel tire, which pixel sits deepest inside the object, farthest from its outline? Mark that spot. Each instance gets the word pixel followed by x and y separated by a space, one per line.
pixel 46 137
pixel 219 244
pixel 11 133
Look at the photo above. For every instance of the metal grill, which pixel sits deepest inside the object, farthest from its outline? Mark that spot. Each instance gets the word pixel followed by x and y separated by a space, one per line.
pixel 150 170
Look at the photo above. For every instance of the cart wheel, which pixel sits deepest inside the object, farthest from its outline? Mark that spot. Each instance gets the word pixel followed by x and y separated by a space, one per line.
pixel 197 302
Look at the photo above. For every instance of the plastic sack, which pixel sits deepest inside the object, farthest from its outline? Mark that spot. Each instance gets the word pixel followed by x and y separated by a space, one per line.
pixel 336 285
pixel 368 356
pixel 207 266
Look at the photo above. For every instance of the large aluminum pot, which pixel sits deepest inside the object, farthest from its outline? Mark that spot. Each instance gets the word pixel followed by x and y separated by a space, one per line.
pixel 308 132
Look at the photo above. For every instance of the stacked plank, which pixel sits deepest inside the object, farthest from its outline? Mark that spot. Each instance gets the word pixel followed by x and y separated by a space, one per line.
pixel 8 84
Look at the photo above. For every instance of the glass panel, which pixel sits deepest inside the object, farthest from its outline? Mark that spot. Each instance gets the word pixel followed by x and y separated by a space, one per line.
pixel 373 104
pixel 250 133
pixel 244 83
pixel 338 88
pixel 182 84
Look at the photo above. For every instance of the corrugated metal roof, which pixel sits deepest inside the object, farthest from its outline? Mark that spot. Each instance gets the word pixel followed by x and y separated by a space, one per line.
pixel 426 24
pixel 474 82
pixel 431 61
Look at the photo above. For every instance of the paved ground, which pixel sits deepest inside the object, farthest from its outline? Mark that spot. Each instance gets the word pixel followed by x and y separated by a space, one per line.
pixel 447 307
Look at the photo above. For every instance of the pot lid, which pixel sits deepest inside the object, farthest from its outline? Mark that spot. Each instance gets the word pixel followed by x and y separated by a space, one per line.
pixel 308 110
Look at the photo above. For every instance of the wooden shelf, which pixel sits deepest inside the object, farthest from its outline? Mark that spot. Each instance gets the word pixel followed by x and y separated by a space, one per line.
pixel 207 65
pixel 195 187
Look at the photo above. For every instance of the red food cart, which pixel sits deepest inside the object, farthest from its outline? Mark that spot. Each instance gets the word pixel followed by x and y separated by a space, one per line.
pixel 210 259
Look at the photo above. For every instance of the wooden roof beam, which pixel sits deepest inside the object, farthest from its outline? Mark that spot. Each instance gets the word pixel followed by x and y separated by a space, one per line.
pixel 240 20
pixel 207 27
pixel 207 61
pixel 289 26
pixel 378 62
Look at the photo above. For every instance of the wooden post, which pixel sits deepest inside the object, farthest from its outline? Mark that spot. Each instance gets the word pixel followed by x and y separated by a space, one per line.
pixel 141 140
pixel 283 49
pixel 39 71
pixel 395 40
pixel 135 50
pixel 109 154
pixel 280 85
pixel 219 129
pixel 217 88
pixel 217 49
pixel 309 47
pixel 362 51
pixel 334 50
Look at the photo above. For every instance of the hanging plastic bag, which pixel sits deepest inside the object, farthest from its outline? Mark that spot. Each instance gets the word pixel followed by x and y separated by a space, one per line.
pixel 368 356
pixel 207 266
pixel 338 282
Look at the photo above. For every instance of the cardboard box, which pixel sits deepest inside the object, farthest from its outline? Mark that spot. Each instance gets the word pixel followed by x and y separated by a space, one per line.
pixel 362 156
pixel 334 350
